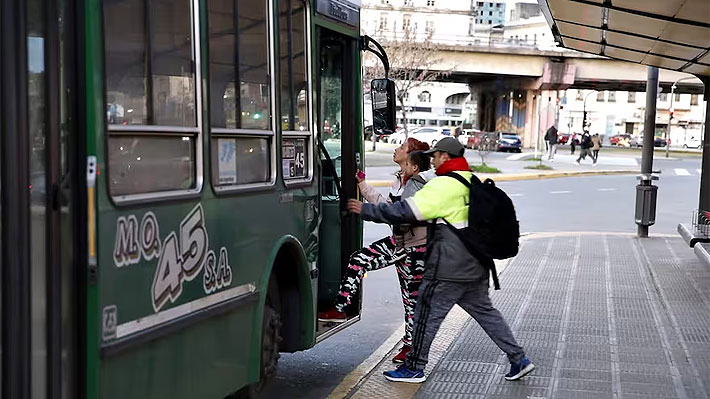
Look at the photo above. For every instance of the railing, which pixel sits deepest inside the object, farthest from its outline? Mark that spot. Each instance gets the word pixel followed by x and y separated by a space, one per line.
pixel 701 222
pixel 472 40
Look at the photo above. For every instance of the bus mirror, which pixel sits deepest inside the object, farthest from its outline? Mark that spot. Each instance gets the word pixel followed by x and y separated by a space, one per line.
pixel 383 105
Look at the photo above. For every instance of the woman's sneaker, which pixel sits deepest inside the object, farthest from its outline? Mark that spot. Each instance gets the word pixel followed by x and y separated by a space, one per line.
pixel 520 369
pixel 405 374
pixel 332 315
pixel 402 354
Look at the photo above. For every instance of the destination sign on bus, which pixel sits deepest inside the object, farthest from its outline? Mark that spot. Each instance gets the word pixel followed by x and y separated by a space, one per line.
pixel 340 10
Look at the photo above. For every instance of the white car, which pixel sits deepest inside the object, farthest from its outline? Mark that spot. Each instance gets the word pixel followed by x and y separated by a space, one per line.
pixel 396 137
pixel 430 134
pixel 693 142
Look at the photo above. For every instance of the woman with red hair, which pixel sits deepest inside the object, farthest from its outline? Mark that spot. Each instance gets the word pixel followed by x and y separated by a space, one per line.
pixel 405 249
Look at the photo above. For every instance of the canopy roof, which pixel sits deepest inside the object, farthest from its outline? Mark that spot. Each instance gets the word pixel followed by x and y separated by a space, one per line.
pixel 670 34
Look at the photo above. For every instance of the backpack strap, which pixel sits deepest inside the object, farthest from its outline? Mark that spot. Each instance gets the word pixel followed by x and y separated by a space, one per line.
pixel 463 180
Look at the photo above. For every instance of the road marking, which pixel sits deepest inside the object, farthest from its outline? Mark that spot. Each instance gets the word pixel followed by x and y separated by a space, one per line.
pixel 516 157
pixel 700 171
pixel 682 172
pixel 560 192
pixel 516 195
pixel 606 189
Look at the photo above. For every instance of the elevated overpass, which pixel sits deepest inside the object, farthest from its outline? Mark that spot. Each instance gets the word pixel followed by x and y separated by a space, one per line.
pixel 531 68
pixel 516 88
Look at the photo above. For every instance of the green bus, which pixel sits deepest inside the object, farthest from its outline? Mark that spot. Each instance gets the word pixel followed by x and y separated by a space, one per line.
pixel 173 183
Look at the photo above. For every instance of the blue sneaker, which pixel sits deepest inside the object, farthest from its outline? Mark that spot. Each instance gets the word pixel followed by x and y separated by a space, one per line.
pixel 405 374
pixel 520 369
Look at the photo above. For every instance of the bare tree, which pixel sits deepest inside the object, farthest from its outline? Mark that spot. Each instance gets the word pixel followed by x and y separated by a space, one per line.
pixel 412 58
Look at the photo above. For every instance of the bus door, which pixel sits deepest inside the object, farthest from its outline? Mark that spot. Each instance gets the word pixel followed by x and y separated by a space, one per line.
pixel 339 130
pixel 37 164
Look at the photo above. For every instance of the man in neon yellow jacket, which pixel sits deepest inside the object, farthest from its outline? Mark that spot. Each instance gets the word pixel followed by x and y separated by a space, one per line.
pixel 451 275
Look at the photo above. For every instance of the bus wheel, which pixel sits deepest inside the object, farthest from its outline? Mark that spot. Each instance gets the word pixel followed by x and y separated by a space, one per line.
pixel 270 336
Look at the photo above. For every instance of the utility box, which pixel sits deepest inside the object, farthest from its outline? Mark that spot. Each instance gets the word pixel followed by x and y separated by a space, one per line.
pixel 646 196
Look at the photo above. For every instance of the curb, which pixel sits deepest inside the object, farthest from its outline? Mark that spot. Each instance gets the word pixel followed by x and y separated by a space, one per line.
pixel 528 176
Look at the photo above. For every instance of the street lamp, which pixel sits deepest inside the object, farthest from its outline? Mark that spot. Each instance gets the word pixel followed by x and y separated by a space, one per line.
pixel 584 114
pixel 670 111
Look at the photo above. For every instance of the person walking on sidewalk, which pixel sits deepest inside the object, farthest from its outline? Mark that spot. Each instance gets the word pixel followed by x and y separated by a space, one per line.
pixel 551 140
pixel 585 146
pixel 452 275
pixel 573 142
pixel 596 146
pixel 405 248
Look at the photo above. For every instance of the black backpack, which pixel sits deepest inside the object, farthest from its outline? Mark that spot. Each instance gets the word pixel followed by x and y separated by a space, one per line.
pixel 493 230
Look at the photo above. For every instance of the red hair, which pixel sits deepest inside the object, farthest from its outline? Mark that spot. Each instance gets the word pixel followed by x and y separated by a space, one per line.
pixel 416 145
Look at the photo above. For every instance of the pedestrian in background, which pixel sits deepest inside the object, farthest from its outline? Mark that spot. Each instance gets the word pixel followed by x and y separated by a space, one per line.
pixel 596 146
pixel 573 141
pixel 452 274
pixel 551 141
pixel 585 147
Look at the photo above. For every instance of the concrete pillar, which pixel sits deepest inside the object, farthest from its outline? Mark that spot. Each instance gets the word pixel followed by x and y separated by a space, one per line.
pixel 528 135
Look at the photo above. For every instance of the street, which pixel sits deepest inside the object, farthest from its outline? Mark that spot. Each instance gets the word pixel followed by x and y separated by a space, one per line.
pixel 575 204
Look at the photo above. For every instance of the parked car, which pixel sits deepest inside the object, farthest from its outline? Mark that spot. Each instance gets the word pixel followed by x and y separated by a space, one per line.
pixel 430 134
pixel 563 138
pixel 367 133
pixel 693 142
pixel 660 142
pixel 509 142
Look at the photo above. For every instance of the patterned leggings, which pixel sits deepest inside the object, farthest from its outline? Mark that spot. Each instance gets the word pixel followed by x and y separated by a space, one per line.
pixel 380 254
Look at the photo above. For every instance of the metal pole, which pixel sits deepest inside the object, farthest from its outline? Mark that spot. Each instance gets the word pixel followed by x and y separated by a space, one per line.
pixel 704 202
pixel 537 123
pixel 670 120
pixel 649 127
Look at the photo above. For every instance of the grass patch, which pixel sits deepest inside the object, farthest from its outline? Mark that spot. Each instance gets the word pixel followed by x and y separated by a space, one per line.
pixel 538 167
pixel 483 168
pixel 532 159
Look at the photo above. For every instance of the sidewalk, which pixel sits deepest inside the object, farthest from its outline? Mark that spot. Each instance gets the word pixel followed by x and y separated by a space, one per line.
pixel 601 316
pixel 380 168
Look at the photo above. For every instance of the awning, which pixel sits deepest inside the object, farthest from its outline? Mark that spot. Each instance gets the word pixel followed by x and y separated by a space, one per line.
pixel 670 34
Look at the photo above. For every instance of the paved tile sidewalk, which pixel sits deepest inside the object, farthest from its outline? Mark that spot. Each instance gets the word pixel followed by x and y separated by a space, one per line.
pixel 601 315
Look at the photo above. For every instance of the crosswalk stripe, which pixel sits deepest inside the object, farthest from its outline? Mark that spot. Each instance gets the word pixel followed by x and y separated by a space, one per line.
pixel 560 192
pixel 682 172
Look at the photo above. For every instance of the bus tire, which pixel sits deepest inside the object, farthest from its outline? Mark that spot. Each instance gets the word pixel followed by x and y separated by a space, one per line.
pixel 270 335
pixel 270 338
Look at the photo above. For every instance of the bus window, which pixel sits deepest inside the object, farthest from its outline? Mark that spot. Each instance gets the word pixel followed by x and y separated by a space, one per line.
pixel 142 164
pixel 240 160
pixel 295 154
pixel 240 93
pixel 292 38
pixel 151 106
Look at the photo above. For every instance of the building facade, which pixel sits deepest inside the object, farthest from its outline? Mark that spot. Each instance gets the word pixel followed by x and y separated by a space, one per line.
pixel 620 112
pixel 489 12
pixel 446 22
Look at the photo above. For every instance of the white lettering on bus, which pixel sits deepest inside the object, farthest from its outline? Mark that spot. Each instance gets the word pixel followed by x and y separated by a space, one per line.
pixel 150 236
pixel 125 250
pixel 217 276
pixel 181 259
pixel 181 256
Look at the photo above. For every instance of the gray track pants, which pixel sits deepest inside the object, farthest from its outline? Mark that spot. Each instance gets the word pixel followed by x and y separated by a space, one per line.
pixel 437 297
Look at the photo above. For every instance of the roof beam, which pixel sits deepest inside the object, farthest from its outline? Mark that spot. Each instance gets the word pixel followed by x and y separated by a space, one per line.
pixel 607 4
